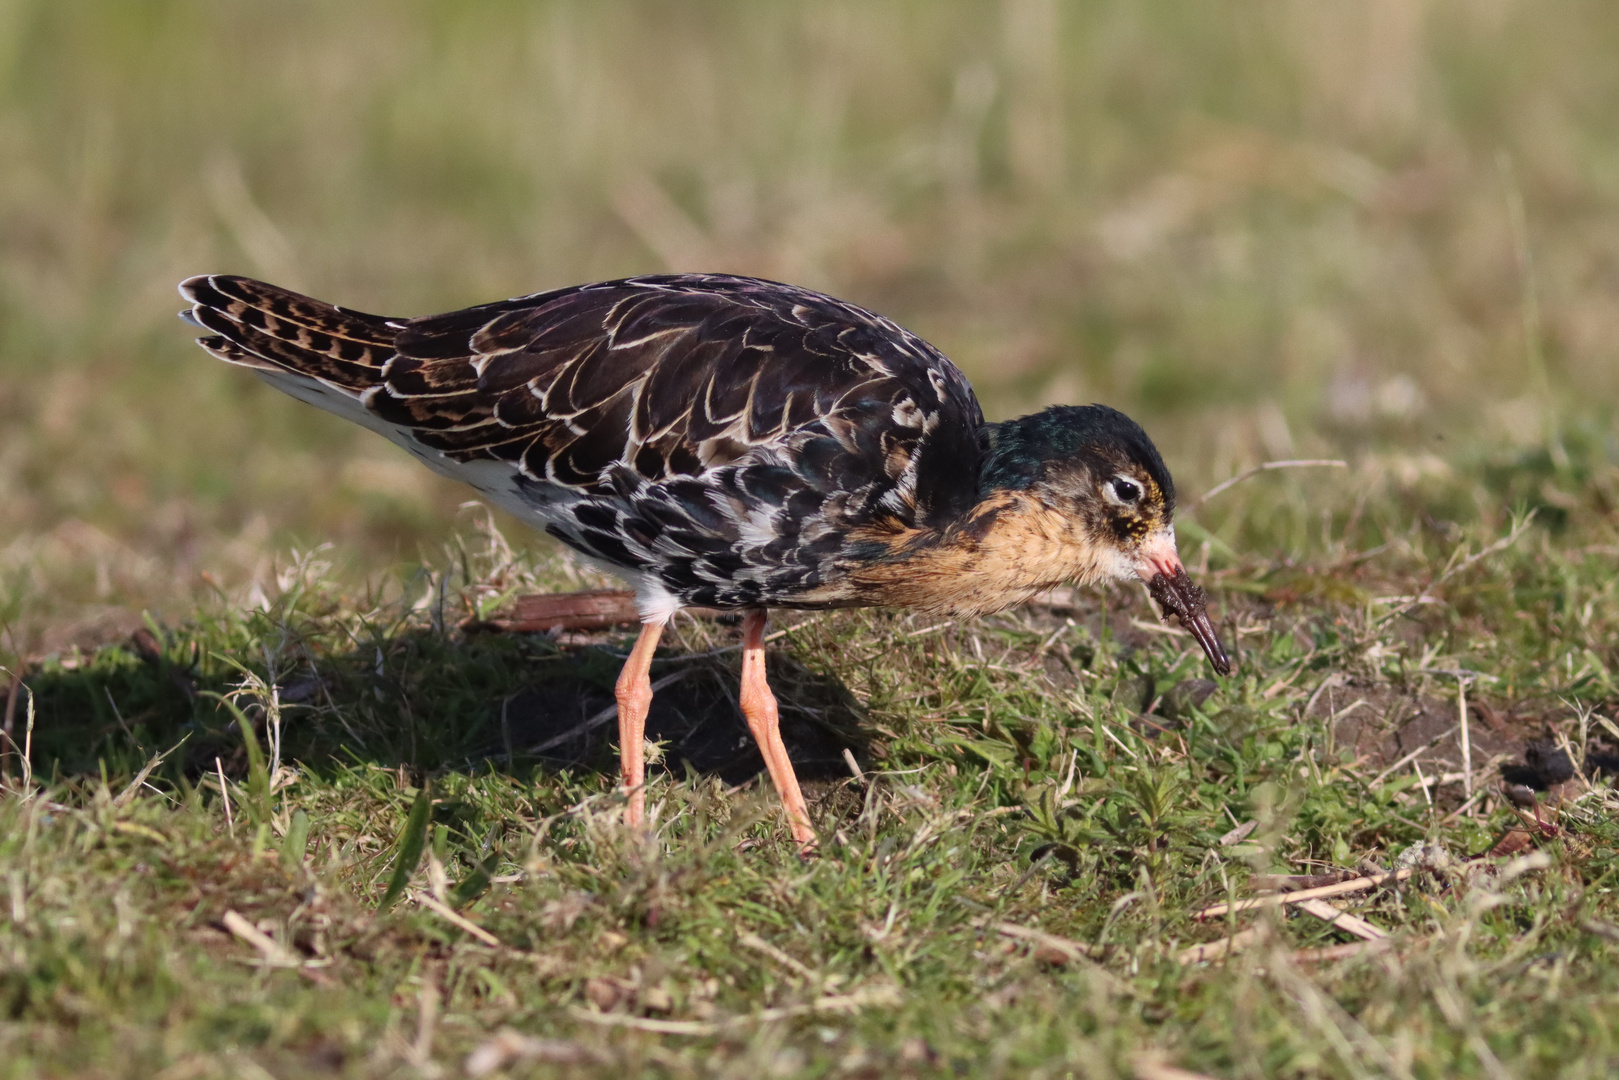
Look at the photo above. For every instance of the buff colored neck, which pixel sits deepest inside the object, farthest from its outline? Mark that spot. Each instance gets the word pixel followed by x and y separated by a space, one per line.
pixel 1009 548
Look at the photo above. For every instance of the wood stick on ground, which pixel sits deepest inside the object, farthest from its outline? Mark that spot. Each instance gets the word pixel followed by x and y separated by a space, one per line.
pixel 1343 920
pixel 1412 756
pixel 224 794
pixel 1146 1068
pixel 274 953
pixel 854 766
pixel 1239 834
pixel 786 960
pixel 1467 742
pixel 589 609
pixel 1054 947
pixel 1295 882
pixel 455 918
pixel 1466 806
pixel 1357 885
pixel 834 1003
pixel 1341 952
pixel 427 1008
pixel 1214 950
pixel 507 1047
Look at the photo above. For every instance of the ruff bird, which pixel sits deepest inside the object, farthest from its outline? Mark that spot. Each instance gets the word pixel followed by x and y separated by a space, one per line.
pixel 732 443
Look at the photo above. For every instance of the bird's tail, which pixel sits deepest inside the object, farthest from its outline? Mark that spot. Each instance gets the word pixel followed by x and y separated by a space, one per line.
pixel 274 331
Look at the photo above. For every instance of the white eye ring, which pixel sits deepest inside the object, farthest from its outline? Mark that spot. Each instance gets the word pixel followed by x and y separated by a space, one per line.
pixel 1122 491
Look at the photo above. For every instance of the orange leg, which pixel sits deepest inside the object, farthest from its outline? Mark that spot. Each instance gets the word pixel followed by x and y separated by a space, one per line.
pixel 634 694
pixel 759 709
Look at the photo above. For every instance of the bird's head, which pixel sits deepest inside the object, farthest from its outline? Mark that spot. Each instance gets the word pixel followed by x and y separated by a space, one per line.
pixel 1096 467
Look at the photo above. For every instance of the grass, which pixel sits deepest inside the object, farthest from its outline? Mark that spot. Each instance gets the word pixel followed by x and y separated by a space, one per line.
pixel 1381 234
pixel 1009 778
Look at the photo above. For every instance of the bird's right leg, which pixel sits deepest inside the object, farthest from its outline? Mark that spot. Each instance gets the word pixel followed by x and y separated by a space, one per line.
pixel 764 720
pixel 634 694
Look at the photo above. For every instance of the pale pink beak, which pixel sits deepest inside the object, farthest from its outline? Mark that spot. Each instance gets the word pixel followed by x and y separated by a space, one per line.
pixel 1159 565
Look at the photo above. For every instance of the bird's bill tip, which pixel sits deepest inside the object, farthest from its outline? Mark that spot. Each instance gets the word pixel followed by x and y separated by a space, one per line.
pixel 1202 629
pixel 1177 594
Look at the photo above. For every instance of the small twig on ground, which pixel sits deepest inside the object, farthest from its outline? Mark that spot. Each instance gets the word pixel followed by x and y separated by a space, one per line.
pixel 1343 920
pixel 506 1047
pixel 1467 742
pixel 450 915
pixel 1295 882
pixel 1060 949
pixel 1598 927
pixel 1214 950
pixel 427 1005
pixel 760 945
pixel 146 770
pixel 833 1003
pixel 9 726
pixel 1276 899
pixel 1341 952
pixel 1146 1068
pixel 854 766
pixel 506 731
pixel 119 716
pixel 1298 463
pixel 1466 806
pixel 1422 783
pixel 224 793
pixel 1422 597
pixel 8 742
pixel 1238 834
pixel 1335 679
pixel 600 718
pixel 273 953
pixel 1408 759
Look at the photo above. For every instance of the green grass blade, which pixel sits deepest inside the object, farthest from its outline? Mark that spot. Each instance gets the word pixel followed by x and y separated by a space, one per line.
pixel 409 848
pixel 258 775
pixel 472 886
pixel 296 841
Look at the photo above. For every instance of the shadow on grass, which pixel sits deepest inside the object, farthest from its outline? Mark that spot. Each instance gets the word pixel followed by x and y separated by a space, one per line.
pixel 418 700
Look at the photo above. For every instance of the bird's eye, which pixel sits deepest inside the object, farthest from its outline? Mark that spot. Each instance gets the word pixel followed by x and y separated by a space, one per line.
pixel 1126 491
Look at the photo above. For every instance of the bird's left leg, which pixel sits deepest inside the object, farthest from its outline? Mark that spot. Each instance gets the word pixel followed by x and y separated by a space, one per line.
pixel 759 709
pixel 634 695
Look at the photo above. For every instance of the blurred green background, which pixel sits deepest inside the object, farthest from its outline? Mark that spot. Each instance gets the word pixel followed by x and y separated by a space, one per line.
pixel 1384 230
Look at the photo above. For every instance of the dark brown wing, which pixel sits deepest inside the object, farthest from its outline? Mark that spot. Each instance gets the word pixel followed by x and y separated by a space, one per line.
pixel 725 433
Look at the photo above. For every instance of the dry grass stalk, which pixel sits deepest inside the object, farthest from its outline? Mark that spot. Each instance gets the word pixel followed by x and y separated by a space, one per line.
pixel 1340 952
pixel 507 1047
pixel 831 1003
pixel 450 915
pixel 1048 947
pixel 1295 882
pixel 1343 920
pixel 1148 1068
pixel 1301 463
pixel 272 951
pixel 1357 885
pixel 1214 950
pixel 8 726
